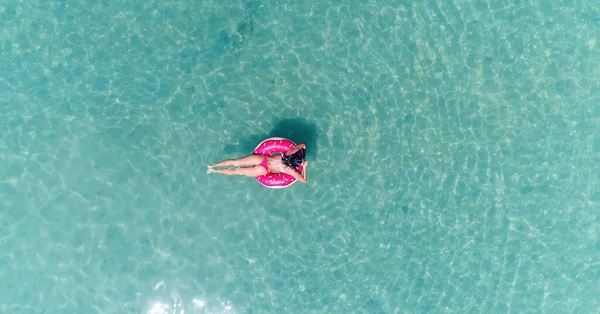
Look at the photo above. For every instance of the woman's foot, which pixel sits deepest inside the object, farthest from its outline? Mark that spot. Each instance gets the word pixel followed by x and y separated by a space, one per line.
pixel 210 169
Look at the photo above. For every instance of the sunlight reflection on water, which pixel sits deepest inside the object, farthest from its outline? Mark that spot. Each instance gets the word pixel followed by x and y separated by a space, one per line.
pixel 197 305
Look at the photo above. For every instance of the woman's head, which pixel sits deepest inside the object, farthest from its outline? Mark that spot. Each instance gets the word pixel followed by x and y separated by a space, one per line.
pixel 293 161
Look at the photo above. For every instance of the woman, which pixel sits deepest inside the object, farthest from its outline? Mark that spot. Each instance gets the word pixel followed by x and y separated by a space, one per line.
pixel 259 165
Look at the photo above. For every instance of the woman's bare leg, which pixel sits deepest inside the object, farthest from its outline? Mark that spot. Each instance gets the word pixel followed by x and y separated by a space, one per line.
pixel 249 171
pixel 250 160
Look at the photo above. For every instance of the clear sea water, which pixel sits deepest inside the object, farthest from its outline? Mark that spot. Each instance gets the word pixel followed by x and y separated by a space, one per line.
pixel 455 149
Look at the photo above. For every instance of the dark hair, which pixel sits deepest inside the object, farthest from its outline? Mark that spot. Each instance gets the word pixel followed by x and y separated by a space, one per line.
pixel 292 161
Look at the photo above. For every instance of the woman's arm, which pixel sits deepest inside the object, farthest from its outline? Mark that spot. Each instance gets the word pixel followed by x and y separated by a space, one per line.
pixel 302 177
pixel 295 149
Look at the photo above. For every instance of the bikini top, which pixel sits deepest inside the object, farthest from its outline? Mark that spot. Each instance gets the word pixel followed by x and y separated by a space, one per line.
pixel 278 163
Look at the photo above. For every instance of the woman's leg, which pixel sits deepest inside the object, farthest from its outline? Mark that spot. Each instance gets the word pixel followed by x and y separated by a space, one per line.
pixel 249 171
pixel 250 160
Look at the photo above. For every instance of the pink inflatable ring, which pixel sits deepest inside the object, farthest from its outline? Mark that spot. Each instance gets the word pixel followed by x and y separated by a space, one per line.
pixel 269 147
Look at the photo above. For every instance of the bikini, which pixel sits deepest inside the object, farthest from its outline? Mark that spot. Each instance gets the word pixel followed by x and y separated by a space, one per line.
pixel 265 164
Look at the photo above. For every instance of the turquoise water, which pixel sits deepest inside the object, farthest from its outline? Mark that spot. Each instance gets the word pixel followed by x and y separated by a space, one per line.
pixel 454 152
